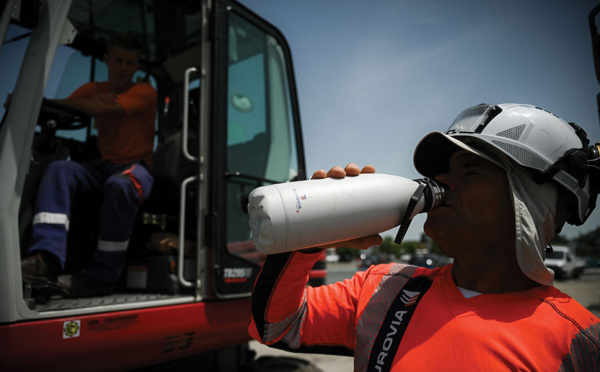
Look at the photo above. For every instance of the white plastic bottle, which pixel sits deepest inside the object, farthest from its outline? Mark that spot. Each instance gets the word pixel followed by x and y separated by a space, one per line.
pixel 295 215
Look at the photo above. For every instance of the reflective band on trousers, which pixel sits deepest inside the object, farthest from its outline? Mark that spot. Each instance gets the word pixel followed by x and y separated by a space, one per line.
pixel 52 218
pixel 105 246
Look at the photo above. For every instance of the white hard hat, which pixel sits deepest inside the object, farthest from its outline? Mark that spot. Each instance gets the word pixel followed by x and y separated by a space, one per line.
pixel 534 138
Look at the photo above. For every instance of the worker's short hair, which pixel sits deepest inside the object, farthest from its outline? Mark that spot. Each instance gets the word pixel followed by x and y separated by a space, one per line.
pixel 126 41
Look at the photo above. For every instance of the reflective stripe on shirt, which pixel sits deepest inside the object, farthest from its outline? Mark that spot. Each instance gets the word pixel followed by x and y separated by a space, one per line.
pixel 372 316
pixel 106 246
pixel 52 218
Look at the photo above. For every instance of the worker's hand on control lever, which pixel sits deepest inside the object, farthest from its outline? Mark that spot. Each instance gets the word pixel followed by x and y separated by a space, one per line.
pixel 339 172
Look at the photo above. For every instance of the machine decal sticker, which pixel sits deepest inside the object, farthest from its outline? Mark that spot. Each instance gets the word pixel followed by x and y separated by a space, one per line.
pixel 71 328
pixel 237 274
pixel 112 323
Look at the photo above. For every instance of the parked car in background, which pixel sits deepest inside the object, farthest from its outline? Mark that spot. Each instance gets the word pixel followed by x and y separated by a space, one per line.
pixel 428 260
pixel 565 263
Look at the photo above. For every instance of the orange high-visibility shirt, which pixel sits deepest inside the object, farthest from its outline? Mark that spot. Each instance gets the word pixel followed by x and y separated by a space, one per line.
pixel 128 138
pixel 541 329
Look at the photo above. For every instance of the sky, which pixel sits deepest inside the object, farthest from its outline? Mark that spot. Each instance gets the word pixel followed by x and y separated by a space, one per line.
pixel 374 77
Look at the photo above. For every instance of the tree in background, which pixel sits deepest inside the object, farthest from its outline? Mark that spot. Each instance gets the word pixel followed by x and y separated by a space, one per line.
pixel 588 244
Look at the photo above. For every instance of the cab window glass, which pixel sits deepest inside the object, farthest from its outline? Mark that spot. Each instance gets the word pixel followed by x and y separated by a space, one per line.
pixel 11 55
pixel 260 136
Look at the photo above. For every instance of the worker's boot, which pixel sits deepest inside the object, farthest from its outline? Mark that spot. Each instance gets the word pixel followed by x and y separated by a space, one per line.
pixel 39 268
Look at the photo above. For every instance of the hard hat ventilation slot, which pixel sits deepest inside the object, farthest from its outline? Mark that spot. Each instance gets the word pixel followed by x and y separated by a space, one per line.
pixel 513 133
pixel 524 156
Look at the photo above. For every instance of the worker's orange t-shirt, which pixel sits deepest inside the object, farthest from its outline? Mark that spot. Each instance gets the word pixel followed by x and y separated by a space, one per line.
pixel 540 329
pixel 128 138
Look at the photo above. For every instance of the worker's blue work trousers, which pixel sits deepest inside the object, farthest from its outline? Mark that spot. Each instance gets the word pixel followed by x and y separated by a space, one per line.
pixel 124 189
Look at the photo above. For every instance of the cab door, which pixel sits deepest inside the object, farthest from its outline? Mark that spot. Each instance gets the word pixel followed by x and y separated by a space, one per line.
pixel 258 137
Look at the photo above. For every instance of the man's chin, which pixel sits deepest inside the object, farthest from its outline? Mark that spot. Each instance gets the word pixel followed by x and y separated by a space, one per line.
pixel 432 230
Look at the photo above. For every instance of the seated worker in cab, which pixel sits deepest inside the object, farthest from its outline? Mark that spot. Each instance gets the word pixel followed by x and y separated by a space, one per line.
pixel 124 114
